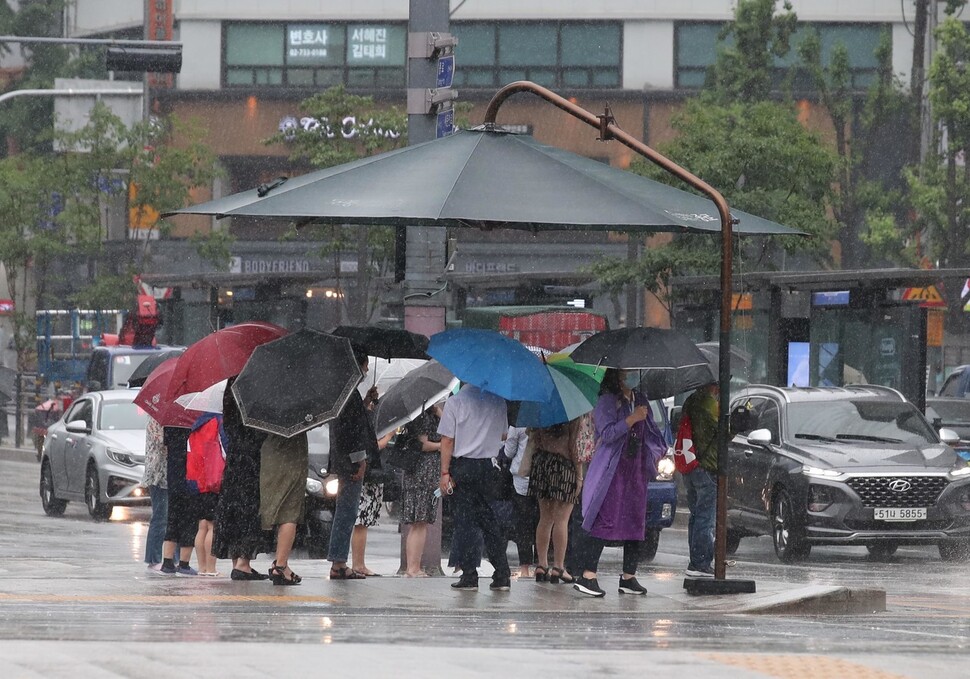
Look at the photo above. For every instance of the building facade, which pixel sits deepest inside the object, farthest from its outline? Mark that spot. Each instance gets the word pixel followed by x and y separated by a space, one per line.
pixel 248 64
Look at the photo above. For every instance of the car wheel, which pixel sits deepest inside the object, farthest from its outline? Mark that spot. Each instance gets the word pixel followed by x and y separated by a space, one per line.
pixel 733 541
pixel 882 550
pixel 52 505
pixel 954 550
pixel 648 548
pixel 787 534
pixel 98 510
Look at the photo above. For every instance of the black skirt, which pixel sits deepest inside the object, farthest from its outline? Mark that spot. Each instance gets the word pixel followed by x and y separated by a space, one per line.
pixel 552 477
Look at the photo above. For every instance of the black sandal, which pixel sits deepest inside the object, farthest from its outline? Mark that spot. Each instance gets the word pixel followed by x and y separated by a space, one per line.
pixel 346 573
pixel 542 574
pixel 559 574
pixel 278 574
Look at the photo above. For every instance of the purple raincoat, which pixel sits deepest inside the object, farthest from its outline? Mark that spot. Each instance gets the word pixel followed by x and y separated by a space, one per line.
pixel 615 491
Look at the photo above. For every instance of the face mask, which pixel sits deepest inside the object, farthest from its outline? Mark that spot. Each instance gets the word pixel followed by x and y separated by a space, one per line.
pixel 632 380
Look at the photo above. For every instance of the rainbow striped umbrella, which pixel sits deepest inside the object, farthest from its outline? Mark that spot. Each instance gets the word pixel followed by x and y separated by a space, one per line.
pixel 577 389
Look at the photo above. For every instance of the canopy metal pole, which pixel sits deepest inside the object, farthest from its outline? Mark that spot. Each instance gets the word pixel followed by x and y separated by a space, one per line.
pixel 609 130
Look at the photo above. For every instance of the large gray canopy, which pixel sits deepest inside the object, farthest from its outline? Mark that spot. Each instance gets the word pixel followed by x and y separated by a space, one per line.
pixel 487 179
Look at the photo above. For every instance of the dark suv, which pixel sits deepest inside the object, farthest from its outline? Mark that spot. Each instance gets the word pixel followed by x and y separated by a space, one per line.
pixel 856 465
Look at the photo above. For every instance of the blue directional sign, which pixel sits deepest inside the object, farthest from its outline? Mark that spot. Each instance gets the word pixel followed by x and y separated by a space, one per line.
pixel 446 71
pixel 445 123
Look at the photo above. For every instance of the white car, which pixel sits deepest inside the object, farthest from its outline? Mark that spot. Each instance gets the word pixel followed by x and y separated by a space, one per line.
pixel 95 453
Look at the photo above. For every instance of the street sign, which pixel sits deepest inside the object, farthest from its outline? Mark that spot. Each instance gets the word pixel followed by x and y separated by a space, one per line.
pixel 928 296
pixel 446 71
pixel 445 125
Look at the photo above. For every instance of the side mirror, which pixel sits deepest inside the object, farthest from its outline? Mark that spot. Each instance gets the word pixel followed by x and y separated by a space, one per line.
pixel 760 437
pixel 94 385
pixel 949 437
pixel 78 427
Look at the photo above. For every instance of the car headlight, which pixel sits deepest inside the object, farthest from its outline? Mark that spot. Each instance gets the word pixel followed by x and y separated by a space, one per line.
pixel 665 469
pixel 121 457
pixel 313 487
pixel 959 472
pixel 332 486
pixel 821 473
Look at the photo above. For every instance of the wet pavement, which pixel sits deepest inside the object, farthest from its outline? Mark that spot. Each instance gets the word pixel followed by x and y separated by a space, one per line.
pixel 78 602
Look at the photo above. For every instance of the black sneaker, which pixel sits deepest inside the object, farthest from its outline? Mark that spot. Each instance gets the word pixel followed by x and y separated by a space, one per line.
pixel 589 587
pixel 466 582
pixel 631 586
pixel 501 584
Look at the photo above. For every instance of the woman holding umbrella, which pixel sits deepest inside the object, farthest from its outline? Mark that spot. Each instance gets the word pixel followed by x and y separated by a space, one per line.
pixel 418 502
pixel 628 445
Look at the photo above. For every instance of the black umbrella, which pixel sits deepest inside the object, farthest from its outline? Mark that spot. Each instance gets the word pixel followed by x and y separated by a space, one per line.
pixel 297 382
pixel 145 368
pixel 385 342
pixel 740 360
pixel 415 393
pixel 668 361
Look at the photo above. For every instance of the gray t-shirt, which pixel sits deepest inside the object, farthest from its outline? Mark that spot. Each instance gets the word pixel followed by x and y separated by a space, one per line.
pixel 477 420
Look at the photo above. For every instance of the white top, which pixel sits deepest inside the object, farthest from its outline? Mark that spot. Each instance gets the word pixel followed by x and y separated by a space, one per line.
pixel 477 420
pixel 515 445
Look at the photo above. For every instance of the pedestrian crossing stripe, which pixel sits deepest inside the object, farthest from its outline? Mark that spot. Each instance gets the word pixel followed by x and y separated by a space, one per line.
pixel 929 296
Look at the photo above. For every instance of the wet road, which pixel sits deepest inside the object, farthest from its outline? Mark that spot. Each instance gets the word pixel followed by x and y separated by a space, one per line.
pixel 71 579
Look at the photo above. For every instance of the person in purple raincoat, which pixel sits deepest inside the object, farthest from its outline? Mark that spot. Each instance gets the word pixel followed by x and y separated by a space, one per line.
pixel 628 446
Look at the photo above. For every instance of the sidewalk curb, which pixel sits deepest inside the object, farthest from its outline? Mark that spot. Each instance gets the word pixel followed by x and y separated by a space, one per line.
pixel 19 454
pixel 812 600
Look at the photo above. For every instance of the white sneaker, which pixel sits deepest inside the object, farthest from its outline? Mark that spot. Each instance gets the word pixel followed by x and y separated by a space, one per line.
pixel 699 573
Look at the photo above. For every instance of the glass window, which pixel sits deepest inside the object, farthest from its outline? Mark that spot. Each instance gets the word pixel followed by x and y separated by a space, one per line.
pixel 476 44
pixel 555 54
pixel 697 50
pixel 859 420
pixel 533 44
pixel 590 44
pixel 254 45
pixel 122 416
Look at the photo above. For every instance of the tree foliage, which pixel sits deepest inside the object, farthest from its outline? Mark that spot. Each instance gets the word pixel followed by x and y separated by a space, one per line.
pixel 343 127
pixel 940 190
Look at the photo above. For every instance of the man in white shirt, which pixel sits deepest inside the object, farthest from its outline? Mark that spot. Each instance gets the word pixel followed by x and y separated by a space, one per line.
pixel 472 427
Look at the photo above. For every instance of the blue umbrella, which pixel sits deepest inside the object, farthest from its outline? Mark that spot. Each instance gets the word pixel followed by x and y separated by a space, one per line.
pixel 493 363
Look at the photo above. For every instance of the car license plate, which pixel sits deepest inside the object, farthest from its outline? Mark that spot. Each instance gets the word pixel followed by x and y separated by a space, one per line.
pixel 899 513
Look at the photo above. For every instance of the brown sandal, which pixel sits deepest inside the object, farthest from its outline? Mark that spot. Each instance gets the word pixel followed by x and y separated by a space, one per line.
pixel 346 573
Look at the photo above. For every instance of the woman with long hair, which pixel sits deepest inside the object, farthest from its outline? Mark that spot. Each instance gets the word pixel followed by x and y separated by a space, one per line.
pixel 555 480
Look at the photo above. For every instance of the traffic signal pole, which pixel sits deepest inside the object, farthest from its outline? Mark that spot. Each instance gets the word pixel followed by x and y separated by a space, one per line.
pixel 421 252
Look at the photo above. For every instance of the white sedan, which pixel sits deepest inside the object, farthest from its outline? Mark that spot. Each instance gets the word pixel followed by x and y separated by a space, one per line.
pixel 96 454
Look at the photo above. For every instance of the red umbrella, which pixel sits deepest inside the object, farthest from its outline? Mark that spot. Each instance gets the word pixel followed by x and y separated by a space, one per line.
pixel 154 400
pixel 219 356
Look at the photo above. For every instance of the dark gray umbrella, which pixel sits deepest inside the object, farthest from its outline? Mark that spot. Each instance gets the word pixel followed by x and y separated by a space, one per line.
pixel 484 178
pixel 740 360
pixel 145 368
pixel 668 361
pixel 416 392
pixel 296 383
pixel 385 342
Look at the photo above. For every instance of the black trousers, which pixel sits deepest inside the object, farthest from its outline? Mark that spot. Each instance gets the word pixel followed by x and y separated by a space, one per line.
pixel 526 519
pixel 591 548
pixel 475 484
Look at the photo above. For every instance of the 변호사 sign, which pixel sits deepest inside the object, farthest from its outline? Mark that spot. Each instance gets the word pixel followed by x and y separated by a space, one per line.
pixel 314 45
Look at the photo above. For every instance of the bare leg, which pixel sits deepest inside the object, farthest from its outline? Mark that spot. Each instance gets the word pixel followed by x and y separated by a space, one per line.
pixel 417 536
pixel 285 536
pixel 210 557
pixel 185 553
pixel 358 543
pixel 560 531
pixel 200 553
pixel 168 549
pixel 547 514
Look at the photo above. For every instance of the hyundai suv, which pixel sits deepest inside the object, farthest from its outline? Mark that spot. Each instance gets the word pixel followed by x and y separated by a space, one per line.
pixel 857 465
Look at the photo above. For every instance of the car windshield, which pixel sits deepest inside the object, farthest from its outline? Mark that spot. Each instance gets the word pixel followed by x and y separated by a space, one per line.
pixel 116 416
pixel 859 420
pixel 123 366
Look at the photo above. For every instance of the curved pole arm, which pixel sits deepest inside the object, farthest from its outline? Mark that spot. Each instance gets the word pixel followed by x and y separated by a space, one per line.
pixel 609 130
